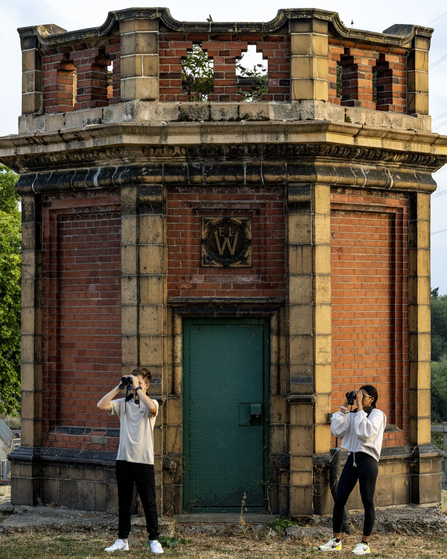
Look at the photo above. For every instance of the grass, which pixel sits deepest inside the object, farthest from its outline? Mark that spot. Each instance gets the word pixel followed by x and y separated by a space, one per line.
pixel 228 546
pixel 231 545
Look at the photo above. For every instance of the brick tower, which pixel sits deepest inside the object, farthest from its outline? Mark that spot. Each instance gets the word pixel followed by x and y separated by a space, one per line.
pixel 261 258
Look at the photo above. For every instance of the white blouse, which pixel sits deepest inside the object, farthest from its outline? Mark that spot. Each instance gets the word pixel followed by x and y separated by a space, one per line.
pixel 359 432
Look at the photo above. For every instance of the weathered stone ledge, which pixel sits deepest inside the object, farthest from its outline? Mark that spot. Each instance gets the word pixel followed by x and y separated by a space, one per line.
pixel 155 112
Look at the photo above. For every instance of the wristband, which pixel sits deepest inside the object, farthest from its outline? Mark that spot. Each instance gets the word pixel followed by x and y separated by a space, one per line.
pixel 343 410
pixel 137 388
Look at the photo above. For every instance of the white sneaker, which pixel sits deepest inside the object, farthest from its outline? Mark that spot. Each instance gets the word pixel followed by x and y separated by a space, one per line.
pixel 119 545
pixel 156 546
pixel 331 545
pixel 361 549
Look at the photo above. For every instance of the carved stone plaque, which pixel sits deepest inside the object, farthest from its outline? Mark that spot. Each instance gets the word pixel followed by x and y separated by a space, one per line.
pixel 226 242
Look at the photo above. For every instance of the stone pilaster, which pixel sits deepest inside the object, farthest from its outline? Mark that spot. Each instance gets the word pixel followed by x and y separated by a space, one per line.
pixel 32 83
pixel 301 351
pixel 426 470
pixel 129 278
pixel 321 241
pixel 25 475
pixel 139 59
pixel 152 351
pixel 309 59
pixel 417 76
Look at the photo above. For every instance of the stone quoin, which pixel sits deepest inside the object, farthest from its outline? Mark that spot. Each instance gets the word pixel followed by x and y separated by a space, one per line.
pixel 260 258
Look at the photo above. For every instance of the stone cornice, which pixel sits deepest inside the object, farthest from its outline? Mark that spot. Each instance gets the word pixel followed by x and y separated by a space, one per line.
pixel 124 144
pixel 52 35
pixel 234 165
pixel 268 153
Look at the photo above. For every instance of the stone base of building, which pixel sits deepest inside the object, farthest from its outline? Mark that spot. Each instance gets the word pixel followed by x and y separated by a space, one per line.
pixel 55 477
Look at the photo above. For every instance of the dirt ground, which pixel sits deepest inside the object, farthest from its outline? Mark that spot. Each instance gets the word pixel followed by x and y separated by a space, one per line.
pixel 42 532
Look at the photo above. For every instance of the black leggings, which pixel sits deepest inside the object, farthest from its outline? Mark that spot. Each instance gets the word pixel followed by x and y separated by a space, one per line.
pixel 366 472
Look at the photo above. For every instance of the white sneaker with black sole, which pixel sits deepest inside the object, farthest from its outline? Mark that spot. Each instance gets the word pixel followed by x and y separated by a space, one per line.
pixel 361 549
pixel 331 545
pixel 119 545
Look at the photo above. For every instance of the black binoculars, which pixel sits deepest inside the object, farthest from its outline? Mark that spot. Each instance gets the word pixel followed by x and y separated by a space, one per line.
pixel 351 397
pixel 128 381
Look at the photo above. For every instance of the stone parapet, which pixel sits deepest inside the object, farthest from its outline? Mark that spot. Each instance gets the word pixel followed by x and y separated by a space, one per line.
pixel 156 112
pixel 309 54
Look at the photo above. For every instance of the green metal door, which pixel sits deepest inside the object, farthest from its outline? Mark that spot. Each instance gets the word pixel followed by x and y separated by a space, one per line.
pixel 225 406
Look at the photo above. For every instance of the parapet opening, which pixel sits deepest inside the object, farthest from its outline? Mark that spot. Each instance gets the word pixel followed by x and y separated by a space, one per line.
pixel 339 88
pixel 383 84
pixel 110 81
pixel 66 87
pixel 251 75
pixel 99 79
pixel 374 84
pixel 197 74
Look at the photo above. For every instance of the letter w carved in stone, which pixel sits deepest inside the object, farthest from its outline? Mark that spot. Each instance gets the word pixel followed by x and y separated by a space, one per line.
pixel 226 243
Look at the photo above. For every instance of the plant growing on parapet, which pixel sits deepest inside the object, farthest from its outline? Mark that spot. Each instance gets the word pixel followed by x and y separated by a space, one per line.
pixel 197 74
pixel 252 83
pixel 10 276
pixel 198 77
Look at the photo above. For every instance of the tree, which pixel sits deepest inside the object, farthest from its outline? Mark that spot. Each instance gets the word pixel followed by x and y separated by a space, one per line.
pixel 438 325
pixel 10 275
pixel 197 74
pixel 439 391
pixel 198 77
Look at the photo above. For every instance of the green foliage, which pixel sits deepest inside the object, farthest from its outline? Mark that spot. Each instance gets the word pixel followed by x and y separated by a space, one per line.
pixel 197 74
pixel 10 275
pixel 171 542
pixel 438 325
pixel 339 81
pixel 198 77
pixel 282 523
pixel 439 390
pixel 437 439
pixel 252 83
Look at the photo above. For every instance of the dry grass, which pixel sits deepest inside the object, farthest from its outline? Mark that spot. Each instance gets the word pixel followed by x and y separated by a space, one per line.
pixel 38 546
pixel 232 545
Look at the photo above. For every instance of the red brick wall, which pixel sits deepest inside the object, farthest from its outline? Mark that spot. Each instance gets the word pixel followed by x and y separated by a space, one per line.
pixel 90 66
pixel 186 206
pixel 358 62
pixel 81 316
pixel 369 264
pixel 224 49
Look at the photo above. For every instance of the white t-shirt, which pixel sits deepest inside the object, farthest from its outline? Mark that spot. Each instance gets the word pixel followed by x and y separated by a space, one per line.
pixel 136 431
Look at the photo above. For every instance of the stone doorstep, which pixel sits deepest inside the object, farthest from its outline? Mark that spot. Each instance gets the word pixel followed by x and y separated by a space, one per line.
pixel 224 518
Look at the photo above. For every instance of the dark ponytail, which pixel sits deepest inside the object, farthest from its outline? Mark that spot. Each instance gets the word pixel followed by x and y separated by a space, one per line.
pixel 371 391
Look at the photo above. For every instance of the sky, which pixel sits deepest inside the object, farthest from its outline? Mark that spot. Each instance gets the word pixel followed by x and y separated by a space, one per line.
pixel 376 15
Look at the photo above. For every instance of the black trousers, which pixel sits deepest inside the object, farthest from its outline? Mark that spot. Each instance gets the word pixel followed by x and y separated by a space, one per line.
pixel 366 473
pixel 142 475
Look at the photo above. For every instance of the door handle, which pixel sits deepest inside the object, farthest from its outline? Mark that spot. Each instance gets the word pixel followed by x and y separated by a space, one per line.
pixel 250 414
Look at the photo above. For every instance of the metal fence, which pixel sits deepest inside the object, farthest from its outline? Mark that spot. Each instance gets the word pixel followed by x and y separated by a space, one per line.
pixel 6 434
pixel 5 469
pixel 442 429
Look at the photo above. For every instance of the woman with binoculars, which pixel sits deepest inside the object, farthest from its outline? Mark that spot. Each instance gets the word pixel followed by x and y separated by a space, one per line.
pixel 362 432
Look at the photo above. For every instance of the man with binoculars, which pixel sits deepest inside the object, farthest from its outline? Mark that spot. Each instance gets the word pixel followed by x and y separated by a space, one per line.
pixel 135 459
